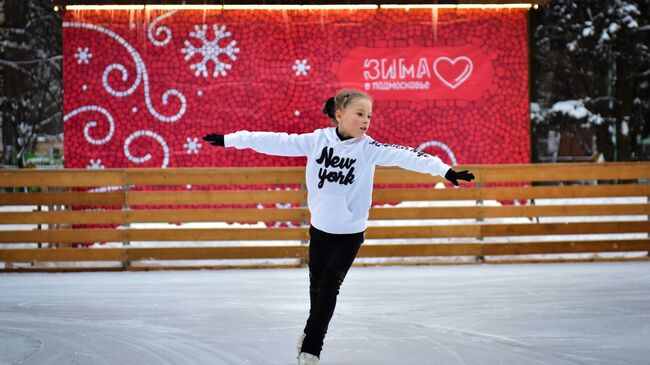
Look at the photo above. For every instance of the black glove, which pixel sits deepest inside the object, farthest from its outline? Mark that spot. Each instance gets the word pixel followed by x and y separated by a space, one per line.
pixel 453 176
pixel 214 139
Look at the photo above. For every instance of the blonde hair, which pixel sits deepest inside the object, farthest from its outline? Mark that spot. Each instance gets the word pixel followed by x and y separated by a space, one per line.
pixel 342 99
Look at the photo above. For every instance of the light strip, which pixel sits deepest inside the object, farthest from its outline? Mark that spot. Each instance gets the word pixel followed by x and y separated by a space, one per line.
pixel 104 7
pixel 222 7
pixel 184 7
pixel 458 6
pixel 300 7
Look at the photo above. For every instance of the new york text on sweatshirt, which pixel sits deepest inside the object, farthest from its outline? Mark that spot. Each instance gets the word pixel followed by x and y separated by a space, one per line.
pixel 339 174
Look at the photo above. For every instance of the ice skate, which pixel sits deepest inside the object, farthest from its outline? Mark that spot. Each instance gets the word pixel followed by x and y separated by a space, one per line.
pixel 307 359
pixel 299 344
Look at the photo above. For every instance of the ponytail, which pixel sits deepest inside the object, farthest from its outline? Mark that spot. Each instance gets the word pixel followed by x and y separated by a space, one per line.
pixel 329 108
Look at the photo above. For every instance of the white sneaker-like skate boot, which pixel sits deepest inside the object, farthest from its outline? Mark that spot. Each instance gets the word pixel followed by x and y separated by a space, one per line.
pixel 307 359
pixel 299 344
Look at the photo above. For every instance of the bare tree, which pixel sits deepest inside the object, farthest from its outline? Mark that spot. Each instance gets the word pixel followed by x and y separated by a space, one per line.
pixel 594 54
pixel 31 102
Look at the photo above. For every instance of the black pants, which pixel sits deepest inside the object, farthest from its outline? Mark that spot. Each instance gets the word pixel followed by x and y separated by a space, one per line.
pixel 330 258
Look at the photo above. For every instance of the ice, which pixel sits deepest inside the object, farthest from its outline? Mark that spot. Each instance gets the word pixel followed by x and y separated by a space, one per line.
pixel 581 313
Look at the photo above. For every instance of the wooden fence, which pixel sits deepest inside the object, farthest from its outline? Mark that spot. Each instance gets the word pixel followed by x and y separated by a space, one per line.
pixel 52 248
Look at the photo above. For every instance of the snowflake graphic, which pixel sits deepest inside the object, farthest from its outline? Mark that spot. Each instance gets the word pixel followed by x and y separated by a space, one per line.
pixel 95 165
pixel 210 50
pixel 82 55
pixel 301 67
pixel 192 145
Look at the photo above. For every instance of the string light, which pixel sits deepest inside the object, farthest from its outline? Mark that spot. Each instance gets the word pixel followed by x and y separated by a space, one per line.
pixel 104 7
pixel 456 6
pixel 222 7
pixel 301 7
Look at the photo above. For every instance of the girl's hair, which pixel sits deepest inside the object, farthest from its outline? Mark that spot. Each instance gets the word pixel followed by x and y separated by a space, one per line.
pixel 341 100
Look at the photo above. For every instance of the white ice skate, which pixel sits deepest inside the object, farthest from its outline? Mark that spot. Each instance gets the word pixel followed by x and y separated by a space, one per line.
pixel 299 344
pixel 307 359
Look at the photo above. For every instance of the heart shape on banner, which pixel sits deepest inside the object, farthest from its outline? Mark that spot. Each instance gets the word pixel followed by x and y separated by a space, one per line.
pixel 447 70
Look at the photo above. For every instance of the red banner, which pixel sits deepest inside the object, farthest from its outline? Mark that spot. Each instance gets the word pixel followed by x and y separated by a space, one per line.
pixel 418 73
pixel 142 86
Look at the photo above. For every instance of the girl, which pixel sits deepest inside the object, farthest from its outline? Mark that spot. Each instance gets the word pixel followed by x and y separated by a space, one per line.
pixel 340 168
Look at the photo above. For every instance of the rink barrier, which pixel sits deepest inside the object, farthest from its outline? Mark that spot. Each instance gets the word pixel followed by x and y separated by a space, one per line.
pixel 53 243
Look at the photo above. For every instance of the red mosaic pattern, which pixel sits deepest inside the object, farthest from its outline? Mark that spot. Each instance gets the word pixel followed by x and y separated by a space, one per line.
pixel 262 91
pixel 135 68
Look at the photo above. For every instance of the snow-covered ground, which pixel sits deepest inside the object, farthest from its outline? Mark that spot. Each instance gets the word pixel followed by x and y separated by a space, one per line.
pixel 581 313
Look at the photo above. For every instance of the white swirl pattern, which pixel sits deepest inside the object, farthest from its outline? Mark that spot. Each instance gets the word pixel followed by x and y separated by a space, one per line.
pixel 125 76
pixel 141 74
pixel 446 148
pixel 92 123
pixel 147 157
pixel 161 29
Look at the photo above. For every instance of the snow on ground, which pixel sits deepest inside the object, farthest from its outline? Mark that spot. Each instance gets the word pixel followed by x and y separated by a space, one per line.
pixel 582 313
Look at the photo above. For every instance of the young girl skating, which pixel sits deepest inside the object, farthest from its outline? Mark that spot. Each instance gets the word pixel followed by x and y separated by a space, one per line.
pixel 340 168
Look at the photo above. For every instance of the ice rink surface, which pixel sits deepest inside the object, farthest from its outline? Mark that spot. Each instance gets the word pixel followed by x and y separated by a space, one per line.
pixel 578 313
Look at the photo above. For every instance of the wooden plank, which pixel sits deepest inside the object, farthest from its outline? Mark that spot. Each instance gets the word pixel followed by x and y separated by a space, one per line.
pixel 302 214
pixel 295 175
pixel 479 212
pixel 469 230
pixel 156 215
pixel 115 198
pixel 565 260
pixel 140 268
pixel 217 176
pixel 216 197
pixel 152 253
pixel 63 254
pixel 534 229
pixel 529 248
pixel 568 172
pixel 278 252
pixel 431 249
pixel 495 230
pixel 214 267
pixel 65 269
pixel 217 253
pixel 153 176
pixel 63 236
pixel 61 178
pixel 299 266
pixel 508 193
pixel 120 198
pixel 245 234
pixel 528 172
pixel 504 261
pixel 128 235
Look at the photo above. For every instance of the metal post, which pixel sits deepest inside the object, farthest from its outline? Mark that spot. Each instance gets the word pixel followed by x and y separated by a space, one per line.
pixel 304 261
pixel 126 188
pixel 480 258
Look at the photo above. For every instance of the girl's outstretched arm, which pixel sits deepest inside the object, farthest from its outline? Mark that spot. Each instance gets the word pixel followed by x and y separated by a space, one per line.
pixel 383 154
pixel 270 143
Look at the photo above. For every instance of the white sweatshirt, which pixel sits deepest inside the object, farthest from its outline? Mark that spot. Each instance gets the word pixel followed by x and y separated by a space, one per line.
pixel 339 173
